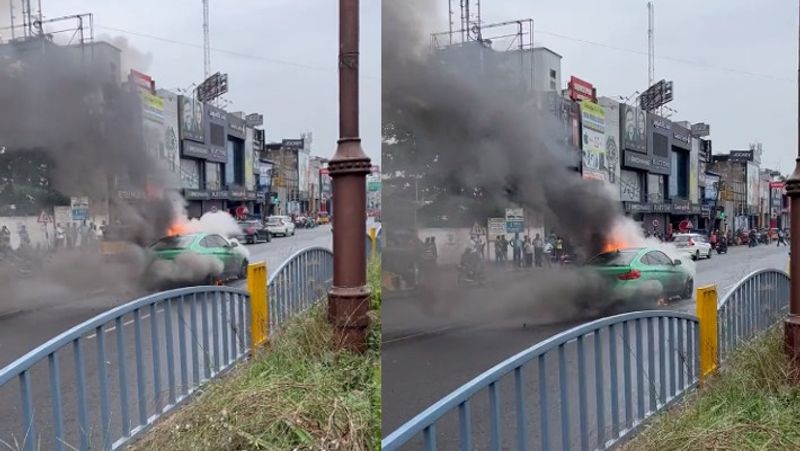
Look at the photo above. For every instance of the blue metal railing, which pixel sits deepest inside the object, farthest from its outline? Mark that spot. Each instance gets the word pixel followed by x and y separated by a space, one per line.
pixel 132 395
pixel 119 387
pixel 605 377
pixel 757 302
pixel 299 282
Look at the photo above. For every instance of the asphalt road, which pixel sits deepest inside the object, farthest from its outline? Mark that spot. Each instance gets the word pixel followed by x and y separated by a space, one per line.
pixel 24 329
pixel 436 342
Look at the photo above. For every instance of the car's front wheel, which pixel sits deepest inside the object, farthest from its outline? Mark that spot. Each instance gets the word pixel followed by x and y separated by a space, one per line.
pixel 243 269
pixel 696 255
pixel 709 254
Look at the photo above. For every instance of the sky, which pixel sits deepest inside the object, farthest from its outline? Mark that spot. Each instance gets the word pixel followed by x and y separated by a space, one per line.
pixel 280 56
pixel 733 62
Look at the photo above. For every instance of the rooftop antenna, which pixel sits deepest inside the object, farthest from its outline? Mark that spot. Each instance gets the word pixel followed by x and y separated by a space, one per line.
pixel 206 43
pixel 650 45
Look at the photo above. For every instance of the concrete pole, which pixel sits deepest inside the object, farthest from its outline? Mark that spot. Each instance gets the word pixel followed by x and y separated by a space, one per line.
pixel 348 298
pixel 792 323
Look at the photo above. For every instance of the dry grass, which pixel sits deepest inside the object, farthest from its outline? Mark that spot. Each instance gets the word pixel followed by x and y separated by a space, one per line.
pixel 752 404
pixel 297 394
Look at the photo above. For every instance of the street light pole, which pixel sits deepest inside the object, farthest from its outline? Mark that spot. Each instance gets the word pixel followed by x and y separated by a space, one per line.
pixel 348 298
pixel 792 323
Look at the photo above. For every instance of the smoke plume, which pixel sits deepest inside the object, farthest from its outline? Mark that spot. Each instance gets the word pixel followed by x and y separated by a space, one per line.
pixel 474 127
pixel 132 58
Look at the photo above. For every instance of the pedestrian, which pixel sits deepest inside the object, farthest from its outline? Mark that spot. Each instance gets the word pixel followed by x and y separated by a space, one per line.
pixel 84 233
pixel 516 247
pixel 528 249
pixel 538 248
pixel 61 236
pixel 72 234
pixel 559 249
pixel 781 238
pixel 498 250
pixel 24 238
pixel 752 239
pixel 429 254
pixel 5 239
pixel 504 248
pixel 713 240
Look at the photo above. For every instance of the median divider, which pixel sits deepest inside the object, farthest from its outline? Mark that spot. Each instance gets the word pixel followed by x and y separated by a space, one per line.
pixel 257 275
pixel 707 316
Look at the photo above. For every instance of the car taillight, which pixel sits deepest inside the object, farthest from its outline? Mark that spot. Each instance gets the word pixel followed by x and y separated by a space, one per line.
pixel 630 275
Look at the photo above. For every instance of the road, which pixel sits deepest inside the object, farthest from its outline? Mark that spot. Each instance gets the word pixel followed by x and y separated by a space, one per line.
pixel 436 343
pixel 21 331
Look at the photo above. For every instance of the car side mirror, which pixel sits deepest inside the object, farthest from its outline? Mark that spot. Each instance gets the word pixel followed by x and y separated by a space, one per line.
pixel 677 262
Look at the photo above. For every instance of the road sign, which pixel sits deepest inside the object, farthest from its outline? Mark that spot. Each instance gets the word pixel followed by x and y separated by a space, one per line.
pixel 515 220
pixel 477 230
pixel 656 223
pixel 496 226
pixel 80 208
pixel 44 218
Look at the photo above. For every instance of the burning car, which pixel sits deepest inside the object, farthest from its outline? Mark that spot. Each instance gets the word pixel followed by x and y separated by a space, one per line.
pixel 642 273
pixel 196 258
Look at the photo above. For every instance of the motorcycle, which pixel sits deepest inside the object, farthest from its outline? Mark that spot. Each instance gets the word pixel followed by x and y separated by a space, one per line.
pixel 722 247
pixel 467 276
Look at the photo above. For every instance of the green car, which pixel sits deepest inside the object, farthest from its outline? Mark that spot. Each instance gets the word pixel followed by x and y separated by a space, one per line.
pixel 643 274
pixel 197 258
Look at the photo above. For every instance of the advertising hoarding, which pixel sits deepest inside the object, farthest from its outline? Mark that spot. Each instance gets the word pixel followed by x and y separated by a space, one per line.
pixel 659 144
pixel 612 143
pixel 580 90
pixel 594 166
pixel 752 185
pixel 741 156
pixel 192 119
pixel 515 220
pixel 249 175
pixel 170 134
pixel 634 128
pixel 80 208
pixel 630 186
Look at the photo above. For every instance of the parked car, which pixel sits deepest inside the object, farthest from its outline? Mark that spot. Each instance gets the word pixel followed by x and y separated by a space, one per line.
pixel 300 221
pixel 693 244
pixel 254 231
pixel 280 225
pixel 642 273
pixel 323 219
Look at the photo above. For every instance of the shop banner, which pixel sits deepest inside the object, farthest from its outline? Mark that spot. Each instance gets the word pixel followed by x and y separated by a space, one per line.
pixel 595 166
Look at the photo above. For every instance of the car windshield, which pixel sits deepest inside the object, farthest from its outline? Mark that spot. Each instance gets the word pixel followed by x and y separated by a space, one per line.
pixel 248 223
pixel 274 221
pixel 173 242
pixel 685 238
pixel 616 258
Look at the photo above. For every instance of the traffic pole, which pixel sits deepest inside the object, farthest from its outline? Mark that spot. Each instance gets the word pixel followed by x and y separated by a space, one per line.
pixel 348 298
pixel 792 323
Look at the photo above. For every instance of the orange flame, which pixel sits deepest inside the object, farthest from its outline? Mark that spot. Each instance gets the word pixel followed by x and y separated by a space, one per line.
pixel 178 228
pixel 615 243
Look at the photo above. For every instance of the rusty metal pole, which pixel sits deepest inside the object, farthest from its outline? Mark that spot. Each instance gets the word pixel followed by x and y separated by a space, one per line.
pixel 348 299
pixel 792 323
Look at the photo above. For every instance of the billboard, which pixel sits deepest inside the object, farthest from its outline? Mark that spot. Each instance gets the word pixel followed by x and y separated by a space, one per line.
pixel 752 185
pixel 634 128
pixel 515 220
pixel 593 141
pixel 170 134
pixel 249 175
pixel 192 121
pixel 657 95
pixel 212 87
pixel 630 186
pixel 694 168
pixel 659 140
pixel 580 90
pixel 612 142
pixel 741 156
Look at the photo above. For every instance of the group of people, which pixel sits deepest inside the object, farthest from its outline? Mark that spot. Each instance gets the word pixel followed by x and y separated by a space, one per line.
pixel 69 237
pixel 527 252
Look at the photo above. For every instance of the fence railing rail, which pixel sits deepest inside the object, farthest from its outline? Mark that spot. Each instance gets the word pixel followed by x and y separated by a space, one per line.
pixel 128 366
pixel 648 359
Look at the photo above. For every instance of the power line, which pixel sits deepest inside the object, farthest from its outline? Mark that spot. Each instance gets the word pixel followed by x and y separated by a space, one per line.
pixel 666 58
pixel 227 52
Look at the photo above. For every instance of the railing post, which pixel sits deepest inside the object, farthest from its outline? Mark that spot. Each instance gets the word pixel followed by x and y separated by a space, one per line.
pixel 259 303
pixel 373 236
pixel 708 342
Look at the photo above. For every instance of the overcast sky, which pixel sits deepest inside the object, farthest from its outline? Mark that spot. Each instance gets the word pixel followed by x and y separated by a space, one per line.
pixel 733 62
pixel 285 61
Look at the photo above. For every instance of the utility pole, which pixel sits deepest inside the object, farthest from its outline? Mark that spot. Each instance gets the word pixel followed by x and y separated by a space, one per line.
pixel 792 323
pixel 206 43
pixel 650 44
pixel 349 297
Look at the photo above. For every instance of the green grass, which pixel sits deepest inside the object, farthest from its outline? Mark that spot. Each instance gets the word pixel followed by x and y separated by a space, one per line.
pixel 751 404
pixel 298 393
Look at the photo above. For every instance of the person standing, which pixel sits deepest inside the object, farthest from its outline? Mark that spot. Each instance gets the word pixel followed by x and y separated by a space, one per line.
pixel 528 249
pixel 559 249
pixel 5 239
pixel 538 249
pixel 504 248
pixel 498 250
pixel 61 236
pixel 24 238
pixel 516 246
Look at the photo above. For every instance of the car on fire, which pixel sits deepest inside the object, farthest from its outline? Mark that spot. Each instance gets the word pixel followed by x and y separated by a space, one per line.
pixel 694 245
pixel 643 273
pixel 253 231
pixel 197 258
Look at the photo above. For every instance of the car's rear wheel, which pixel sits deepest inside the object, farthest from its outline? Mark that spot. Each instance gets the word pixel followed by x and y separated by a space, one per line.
pixel 696 255
pixel 688 289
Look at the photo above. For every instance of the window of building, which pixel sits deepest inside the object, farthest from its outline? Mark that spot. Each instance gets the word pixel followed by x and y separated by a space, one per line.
pixel 552 84
pixel 213 176
pixel 190 173
pixel 238 161
pixel 552 73
pixel 217 135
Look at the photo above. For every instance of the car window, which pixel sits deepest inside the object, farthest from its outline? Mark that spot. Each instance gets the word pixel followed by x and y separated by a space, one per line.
pixel 618 258
pixel 173 242
pixel 218 241
pixel 659 258
pixel 207 242
pixel 274 221
pixel 681 239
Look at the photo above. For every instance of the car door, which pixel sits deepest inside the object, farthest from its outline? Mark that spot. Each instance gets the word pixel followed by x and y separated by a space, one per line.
pixel 219 248
pixel 673 276
pixel 658 271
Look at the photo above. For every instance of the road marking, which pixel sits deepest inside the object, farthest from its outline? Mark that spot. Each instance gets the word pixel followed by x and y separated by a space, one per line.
pixel 418 334
pixel 126 323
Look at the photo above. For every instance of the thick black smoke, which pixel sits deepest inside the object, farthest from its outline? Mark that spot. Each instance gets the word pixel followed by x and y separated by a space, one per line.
pixel 63 108
pixel 465 118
